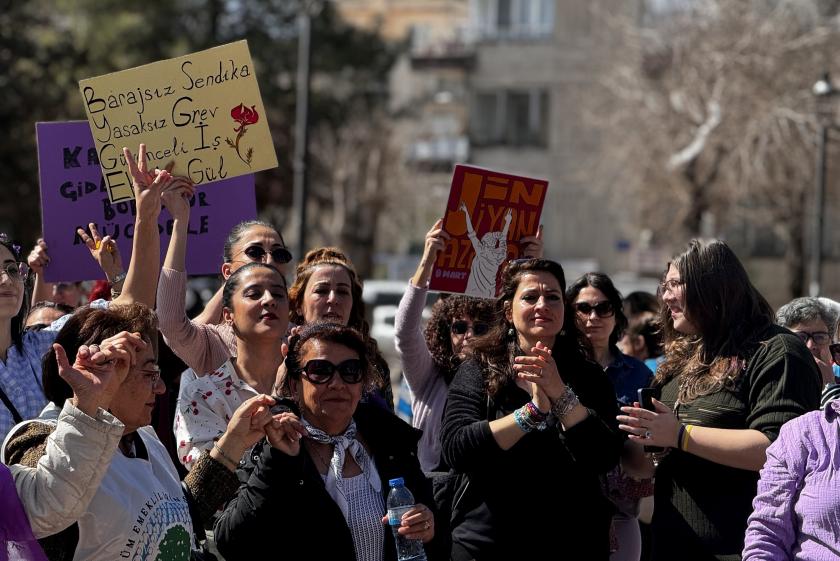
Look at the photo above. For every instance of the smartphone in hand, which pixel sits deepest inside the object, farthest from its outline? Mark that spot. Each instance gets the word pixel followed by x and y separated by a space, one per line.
pixel 646 396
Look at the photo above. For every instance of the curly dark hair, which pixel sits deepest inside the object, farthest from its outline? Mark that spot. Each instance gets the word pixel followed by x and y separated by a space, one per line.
pixel 730 315
pixel 438 338
pixel 602 282
pixel 496 350
pixel 328 333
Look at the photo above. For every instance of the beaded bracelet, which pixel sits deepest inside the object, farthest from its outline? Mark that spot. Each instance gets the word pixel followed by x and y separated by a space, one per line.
pixel 529 418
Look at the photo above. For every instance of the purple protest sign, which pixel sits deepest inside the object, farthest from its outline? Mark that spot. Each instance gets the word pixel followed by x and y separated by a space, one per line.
pixel 73 195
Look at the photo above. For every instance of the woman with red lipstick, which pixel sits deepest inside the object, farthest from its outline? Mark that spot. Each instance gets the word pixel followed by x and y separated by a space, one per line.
pixel 256 309
pixel 529 420
pixel 730 380
pixel 328 288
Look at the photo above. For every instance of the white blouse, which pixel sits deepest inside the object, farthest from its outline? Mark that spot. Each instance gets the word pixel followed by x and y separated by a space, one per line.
pixel 205 407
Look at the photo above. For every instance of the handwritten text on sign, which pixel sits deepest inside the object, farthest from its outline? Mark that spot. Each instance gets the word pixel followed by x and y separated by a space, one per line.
pixel 194 110
pixel 487 214
pixel 74 193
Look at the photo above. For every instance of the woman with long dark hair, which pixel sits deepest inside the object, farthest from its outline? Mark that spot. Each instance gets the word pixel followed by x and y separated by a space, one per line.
pixel 729 381
pixel 431 357
pixel 529 421
pixel 598 308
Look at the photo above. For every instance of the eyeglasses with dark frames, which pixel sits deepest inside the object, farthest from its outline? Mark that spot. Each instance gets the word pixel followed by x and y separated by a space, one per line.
pixel 460 327
pixel 603 309
pixel 819 337
pixel 321 371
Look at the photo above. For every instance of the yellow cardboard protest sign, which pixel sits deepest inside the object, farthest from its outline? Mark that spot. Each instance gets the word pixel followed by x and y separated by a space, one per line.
pixel 194 110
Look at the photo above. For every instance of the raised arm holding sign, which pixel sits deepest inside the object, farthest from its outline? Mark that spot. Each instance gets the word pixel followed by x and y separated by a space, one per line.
pixel 491 218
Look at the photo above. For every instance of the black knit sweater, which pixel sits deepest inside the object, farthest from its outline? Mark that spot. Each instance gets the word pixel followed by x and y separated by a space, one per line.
pixel 700 507
pixel 543 494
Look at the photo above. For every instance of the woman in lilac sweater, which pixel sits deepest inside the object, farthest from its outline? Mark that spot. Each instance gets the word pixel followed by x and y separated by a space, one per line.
pixel 796 510
pixel 429 362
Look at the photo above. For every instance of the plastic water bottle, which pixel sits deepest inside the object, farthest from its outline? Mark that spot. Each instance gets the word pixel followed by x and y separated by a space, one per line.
pixel 400 500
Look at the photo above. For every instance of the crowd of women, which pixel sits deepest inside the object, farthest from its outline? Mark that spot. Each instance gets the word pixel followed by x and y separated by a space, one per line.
pixel 129 430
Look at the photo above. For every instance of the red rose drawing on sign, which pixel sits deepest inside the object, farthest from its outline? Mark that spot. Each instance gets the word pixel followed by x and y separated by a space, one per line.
pixel 244 116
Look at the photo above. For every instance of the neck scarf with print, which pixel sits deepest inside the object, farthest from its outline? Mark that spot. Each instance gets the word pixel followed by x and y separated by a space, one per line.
pixel 335 484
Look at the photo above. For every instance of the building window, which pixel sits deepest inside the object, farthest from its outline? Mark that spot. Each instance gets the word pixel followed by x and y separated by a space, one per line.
pixel 510 118
pixel 514 19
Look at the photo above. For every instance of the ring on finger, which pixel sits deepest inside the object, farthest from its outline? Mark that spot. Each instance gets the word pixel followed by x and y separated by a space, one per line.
pixel 427 525
pixel 647 434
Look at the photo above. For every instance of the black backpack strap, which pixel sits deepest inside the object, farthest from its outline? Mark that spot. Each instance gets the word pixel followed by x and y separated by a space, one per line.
pixel 10 406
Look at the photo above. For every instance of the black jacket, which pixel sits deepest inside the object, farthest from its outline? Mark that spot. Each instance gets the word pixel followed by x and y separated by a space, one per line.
pixel 544 494
pixel 284 504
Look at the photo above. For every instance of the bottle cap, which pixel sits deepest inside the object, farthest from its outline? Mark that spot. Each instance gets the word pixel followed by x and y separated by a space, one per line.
pixel 398 482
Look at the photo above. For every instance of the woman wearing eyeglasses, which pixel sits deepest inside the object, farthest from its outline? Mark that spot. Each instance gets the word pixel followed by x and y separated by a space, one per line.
pixel 599 313
pixel 731 378
pixel 327 288
pixel 140 509
pixel 206 342
pixel 322 478
pixel 21 392
pixel 430 361
pixel 529 420
pixel 256 308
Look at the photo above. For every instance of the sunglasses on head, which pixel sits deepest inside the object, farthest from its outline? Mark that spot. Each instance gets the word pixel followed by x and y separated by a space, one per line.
pixel 15 271
pixel 321 371
pixel 460 327
pixel 278 254
pixel 602 309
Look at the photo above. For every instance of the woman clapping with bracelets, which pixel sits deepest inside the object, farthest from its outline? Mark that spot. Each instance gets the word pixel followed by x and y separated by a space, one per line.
pixel 529 421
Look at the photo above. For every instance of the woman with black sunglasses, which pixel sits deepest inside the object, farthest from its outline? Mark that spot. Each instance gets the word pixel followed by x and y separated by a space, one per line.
pixel 430 361
pixel 256 309
pixel 599 314
pixel 206 342
pixel 321 480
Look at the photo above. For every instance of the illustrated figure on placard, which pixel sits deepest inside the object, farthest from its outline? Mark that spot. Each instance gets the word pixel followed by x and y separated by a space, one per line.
pixel 490 253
